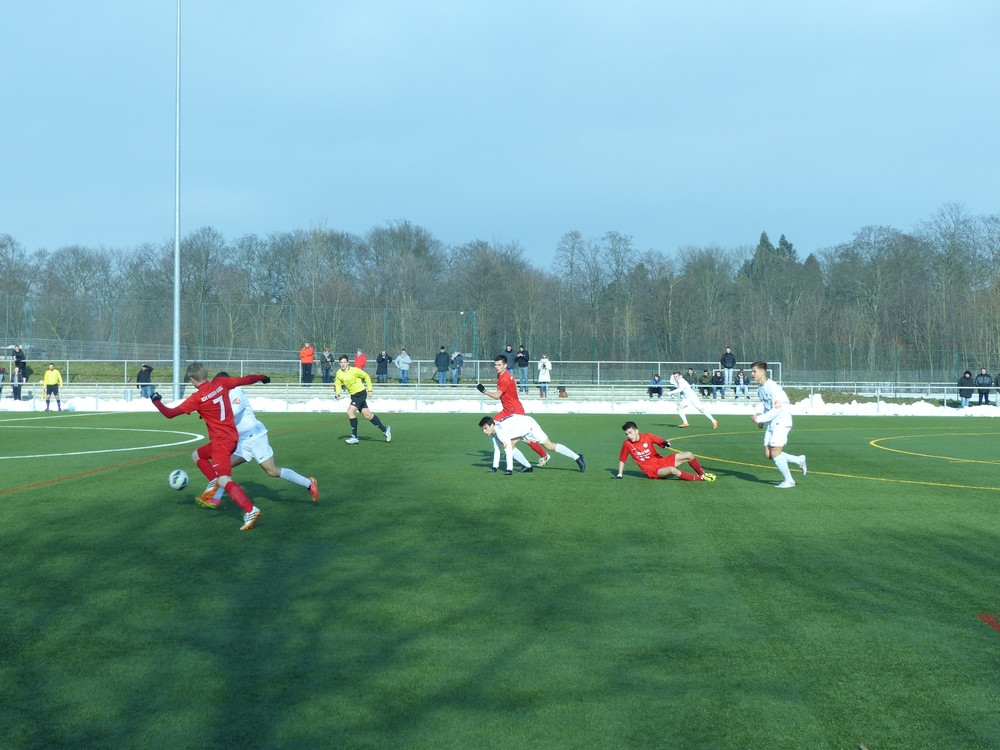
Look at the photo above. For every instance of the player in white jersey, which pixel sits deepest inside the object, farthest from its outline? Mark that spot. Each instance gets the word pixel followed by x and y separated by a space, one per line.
pixel 778 418
pixel 518 427
pixel 253 446
pixel 688 400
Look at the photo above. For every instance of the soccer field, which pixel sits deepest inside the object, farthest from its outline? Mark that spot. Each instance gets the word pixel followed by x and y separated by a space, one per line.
pixel 426 603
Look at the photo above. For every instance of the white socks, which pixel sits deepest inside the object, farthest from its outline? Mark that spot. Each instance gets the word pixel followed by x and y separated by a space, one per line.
pixel 781 461
pixel 560 448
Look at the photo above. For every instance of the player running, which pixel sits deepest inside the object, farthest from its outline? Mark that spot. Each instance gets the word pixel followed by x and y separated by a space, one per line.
pixel 358 385
pixel 506 392
pixel 778 418
pixel 214 460
pixel 519 427
pixel 253 446
pixel 642 447
pixel 688 400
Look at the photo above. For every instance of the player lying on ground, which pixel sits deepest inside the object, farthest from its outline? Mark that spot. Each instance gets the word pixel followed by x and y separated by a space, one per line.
pixel 253 446
pixel 642 447
pixel 519 427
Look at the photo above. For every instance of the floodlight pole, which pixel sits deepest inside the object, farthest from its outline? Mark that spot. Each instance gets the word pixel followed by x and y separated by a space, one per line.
pixel 177 218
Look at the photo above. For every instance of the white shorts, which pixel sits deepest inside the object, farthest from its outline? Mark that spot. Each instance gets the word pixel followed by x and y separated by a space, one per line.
pixel 521 426
pixel 776 436
pixel 254 448
pixel 690 402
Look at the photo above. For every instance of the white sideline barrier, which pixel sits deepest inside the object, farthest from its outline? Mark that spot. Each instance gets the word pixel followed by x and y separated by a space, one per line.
pixel 278 398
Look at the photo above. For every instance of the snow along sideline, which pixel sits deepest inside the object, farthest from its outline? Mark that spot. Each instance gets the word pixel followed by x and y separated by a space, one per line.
pixel 812 405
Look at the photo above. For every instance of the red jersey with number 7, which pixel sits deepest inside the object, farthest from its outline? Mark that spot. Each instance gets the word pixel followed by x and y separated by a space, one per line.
pixel 211 401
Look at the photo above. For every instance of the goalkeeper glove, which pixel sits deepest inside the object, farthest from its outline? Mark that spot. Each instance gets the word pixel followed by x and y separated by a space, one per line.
pixel 480 387
pixel 156 397
pixel 266 380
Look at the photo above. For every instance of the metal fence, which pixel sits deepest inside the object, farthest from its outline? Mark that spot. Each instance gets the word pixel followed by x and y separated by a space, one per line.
pixel 63 329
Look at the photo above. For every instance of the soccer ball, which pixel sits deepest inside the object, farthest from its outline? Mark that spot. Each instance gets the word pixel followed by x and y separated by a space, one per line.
pixel 178 479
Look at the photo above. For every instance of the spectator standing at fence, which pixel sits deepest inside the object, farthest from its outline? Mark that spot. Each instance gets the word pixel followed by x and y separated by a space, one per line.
pixel 382 366
pixel 965 387
pixel 307 355
pixel 402 362
pixel 19 360
pixel 656 386
pixel 16 378
pixel 3 377
pixel 742 382
pixel 52 380
pixel 544 376
pixel 521 360
pixel 457 360
pixel 144 381
pixel 728 362
pixel 984 381
pixel 326 364
pixel 442 362
pixel 360 359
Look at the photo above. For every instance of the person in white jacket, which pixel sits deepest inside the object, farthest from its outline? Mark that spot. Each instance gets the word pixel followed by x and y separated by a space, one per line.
pixel 774 412
pixel 544 375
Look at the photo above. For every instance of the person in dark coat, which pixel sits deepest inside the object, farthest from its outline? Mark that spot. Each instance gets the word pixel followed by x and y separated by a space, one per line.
pixel 965 387
pixel 984 381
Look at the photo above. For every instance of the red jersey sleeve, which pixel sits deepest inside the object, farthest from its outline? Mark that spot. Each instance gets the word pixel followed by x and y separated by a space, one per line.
pixel 623 454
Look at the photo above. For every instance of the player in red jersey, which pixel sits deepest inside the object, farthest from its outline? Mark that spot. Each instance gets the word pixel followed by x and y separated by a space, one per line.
pixel 507 393
pixel 642 447
pixel 214 460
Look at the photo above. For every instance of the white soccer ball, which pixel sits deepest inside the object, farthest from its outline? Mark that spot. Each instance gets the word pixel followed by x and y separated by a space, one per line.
pixel 178 479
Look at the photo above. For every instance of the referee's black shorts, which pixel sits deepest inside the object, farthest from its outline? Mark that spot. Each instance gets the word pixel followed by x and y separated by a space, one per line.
pixel 360 400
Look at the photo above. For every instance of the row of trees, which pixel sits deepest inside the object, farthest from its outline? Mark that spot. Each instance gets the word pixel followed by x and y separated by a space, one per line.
pixel 884 297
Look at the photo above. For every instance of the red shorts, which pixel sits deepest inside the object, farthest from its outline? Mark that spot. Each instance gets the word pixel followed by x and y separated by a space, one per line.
pixel 651 468
pixel 221 457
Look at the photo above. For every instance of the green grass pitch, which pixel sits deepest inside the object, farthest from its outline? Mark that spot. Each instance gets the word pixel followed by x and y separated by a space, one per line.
pixel 426 603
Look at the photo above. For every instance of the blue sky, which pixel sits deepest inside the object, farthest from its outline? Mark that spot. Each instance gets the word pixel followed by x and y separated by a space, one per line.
pixel 676 123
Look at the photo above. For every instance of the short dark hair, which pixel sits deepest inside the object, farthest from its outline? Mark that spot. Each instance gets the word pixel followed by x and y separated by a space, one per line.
pixel 630 425
pixel 759 366
pixel 343 356
pixel 485 421
pixel 500 358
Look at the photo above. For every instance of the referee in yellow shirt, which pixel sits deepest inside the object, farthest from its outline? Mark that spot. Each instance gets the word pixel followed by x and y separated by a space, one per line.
pixel 52 380
pixel 358 385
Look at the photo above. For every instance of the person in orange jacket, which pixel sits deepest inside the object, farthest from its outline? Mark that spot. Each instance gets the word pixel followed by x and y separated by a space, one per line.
pixel 306 356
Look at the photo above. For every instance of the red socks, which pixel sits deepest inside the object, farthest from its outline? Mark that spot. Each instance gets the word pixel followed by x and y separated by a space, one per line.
pixel 239 496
